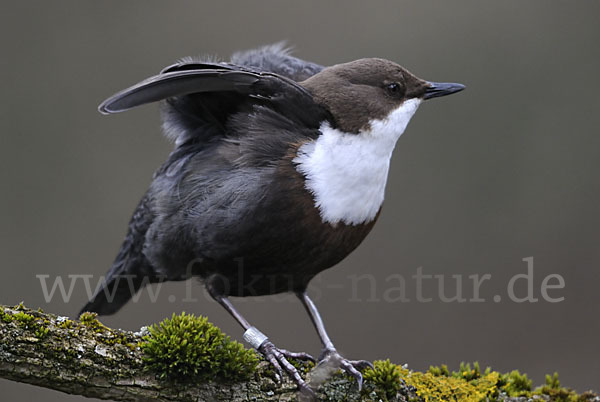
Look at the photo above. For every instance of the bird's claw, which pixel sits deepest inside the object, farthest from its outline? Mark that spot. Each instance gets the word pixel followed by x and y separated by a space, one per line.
pixel 278 359
pixel 352 367
pixel 298 355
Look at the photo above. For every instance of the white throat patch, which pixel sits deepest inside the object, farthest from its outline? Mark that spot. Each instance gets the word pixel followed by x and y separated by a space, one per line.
pixel 346 173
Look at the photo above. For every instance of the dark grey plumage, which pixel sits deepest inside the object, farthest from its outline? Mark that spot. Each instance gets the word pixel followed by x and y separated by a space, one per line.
pixel 206 201
pixel 229 189
pixel 276 58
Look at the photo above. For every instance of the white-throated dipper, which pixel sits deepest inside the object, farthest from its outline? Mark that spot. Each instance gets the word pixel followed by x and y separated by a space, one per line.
pixel 278 173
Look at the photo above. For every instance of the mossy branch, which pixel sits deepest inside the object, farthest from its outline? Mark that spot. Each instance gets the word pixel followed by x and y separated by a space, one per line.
pixel 186 358
pixel 89 359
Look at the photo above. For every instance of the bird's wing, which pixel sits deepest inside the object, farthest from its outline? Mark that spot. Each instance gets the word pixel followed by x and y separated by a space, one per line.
pixel 276 58
pixel 184 79
pixel 203 98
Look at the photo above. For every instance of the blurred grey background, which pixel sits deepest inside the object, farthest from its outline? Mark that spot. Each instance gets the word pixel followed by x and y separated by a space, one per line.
pixel 506 170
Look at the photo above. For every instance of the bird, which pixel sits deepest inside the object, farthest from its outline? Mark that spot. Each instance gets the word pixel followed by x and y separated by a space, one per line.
pixel 278 172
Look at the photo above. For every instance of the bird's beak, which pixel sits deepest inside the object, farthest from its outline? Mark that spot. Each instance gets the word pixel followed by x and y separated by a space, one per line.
pixel 436 89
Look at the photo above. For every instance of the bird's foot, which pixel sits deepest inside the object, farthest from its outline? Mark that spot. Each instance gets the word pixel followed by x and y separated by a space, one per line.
pixel 352 367
pixel 278 359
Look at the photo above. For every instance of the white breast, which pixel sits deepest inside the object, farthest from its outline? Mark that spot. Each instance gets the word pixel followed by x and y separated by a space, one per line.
pixel 346 173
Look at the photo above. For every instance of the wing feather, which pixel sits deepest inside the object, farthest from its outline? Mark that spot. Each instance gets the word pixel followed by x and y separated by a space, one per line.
pixel 196 79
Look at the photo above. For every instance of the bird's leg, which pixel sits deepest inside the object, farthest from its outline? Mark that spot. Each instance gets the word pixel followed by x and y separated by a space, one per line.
pixel 275 356
pixel 330 354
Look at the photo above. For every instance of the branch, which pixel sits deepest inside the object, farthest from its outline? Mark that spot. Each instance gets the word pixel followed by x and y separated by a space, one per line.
pixel 89 359
pixel 95 361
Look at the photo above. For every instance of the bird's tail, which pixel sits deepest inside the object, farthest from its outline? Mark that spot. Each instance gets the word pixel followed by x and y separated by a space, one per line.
pixel 118 288
pixel 131 270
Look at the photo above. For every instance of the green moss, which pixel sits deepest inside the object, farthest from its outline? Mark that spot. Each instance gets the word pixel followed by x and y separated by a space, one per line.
pixel 552 381
pixel 26 321
pixel 386 378
pixel 557 393
pixel 516 384
pixel 303 366
pixel 438 384
pixel 23 319
pixel 41 332
pixel 187 348
pixel 467 384
pixel 467 373
pixel 4 317
pixel 439 371
pixel 103 334
pixel 66 324
pixel 464 372
pixel 89 320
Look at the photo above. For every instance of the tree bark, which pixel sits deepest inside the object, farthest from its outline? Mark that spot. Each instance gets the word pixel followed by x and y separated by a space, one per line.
pixel 96 361
pixel 86 358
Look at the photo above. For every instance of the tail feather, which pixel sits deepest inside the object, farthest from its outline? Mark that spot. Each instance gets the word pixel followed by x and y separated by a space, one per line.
pixel 115 293
pixel 131 270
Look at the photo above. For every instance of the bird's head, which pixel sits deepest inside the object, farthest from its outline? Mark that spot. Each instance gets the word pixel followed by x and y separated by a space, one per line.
pixel 367 90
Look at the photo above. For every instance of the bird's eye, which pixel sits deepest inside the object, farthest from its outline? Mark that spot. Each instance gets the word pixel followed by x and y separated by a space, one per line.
pixel 393 88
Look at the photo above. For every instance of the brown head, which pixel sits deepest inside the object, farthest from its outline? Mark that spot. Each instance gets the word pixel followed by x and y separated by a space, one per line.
pixel 362 90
